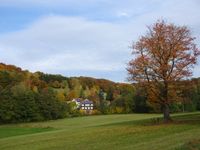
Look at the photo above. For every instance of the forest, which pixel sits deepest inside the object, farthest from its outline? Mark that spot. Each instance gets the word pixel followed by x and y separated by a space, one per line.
pixel 27 96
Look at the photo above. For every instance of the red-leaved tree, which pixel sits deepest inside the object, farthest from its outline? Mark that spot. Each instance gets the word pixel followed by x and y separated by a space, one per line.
pixel 166 54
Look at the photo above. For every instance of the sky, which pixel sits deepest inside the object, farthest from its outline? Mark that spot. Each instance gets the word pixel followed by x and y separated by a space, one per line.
pixel 84 37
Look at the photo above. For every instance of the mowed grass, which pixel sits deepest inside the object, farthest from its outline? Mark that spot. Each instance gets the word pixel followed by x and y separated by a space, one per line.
pixel 131 131
pixel 15 131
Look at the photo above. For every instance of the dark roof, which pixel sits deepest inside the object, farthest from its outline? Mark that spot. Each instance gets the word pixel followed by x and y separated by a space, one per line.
pixel 87 102
pixel 78 99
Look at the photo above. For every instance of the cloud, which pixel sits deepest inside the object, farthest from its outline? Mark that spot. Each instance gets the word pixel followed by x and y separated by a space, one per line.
pixel 94 40
pixel 67 44
pixel 123 14
pixel 49 3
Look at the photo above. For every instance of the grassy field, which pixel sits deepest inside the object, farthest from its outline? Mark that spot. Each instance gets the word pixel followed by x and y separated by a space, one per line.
pixel 131 131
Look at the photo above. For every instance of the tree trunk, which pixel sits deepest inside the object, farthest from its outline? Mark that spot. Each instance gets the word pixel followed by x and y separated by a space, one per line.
pixel 165 106
pixel 166 113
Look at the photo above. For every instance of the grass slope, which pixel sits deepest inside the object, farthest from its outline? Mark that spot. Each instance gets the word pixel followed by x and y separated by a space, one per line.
pixel 15 131
pixel 131 131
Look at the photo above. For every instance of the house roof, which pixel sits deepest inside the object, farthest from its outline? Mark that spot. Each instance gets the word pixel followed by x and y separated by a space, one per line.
pixel 87 102
pixel 77 100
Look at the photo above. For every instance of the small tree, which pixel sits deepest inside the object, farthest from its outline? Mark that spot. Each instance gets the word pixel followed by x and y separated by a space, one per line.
pixel 164 55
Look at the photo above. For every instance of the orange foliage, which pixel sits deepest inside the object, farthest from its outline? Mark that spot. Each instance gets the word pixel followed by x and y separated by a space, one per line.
pixel 164 55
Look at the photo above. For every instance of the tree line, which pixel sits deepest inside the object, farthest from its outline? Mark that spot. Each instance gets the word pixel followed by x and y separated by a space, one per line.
pixel 26 96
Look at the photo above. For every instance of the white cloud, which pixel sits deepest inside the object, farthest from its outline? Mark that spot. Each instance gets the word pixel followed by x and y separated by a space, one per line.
pixel 67 43
pixel 59 43
pixel 49 3
pixel 123 14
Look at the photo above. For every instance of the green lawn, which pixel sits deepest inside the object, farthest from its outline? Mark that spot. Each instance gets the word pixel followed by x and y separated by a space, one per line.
pixel 131 131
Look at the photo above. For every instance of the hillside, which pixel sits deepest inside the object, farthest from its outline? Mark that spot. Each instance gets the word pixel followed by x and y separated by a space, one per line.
pixel 27 96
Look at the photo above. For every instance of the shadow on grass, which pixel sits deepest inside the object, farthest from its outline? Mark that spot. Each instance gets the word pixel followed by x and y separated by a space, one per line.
pixel 180 119
pixel 16 131
pixel 192 145
pixel 187 119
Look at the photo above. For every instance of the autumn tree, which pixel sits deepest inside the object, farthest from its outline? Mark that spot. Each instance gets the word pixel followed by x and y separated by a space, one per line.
pixel 164 55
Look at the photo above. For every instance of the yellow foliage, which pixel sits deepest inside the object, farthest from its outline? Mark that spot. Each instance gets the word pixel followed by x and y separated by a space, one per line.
pixel 119 110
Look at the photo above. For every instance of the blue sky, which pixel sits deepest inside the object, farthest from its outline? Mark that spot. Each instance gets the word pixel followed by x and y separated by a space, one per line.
pixel 84 37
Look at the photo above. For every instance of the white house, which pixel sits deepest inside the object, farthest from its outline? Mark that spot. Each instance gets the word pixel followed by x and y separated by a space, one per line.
pixel 87 105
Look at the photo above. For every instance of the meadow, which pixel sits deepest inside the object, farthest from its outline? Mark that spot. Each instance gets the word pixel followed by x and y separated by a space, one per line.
pixel 123 131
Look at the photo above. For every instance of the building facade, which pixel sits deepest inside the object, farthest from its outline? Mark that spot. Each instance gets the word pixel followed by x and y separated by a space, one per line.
pixel 87 105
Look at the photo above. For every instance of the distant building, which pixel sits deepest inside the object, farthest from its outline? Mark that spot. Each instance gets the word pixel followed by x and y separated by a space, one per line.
pixel 87 105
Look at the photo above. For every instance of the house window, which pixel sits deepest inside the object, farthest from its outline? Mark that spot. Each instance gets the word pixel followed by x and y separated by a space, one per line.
pixel 82 107
pixel 91 104
pixel 91 107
